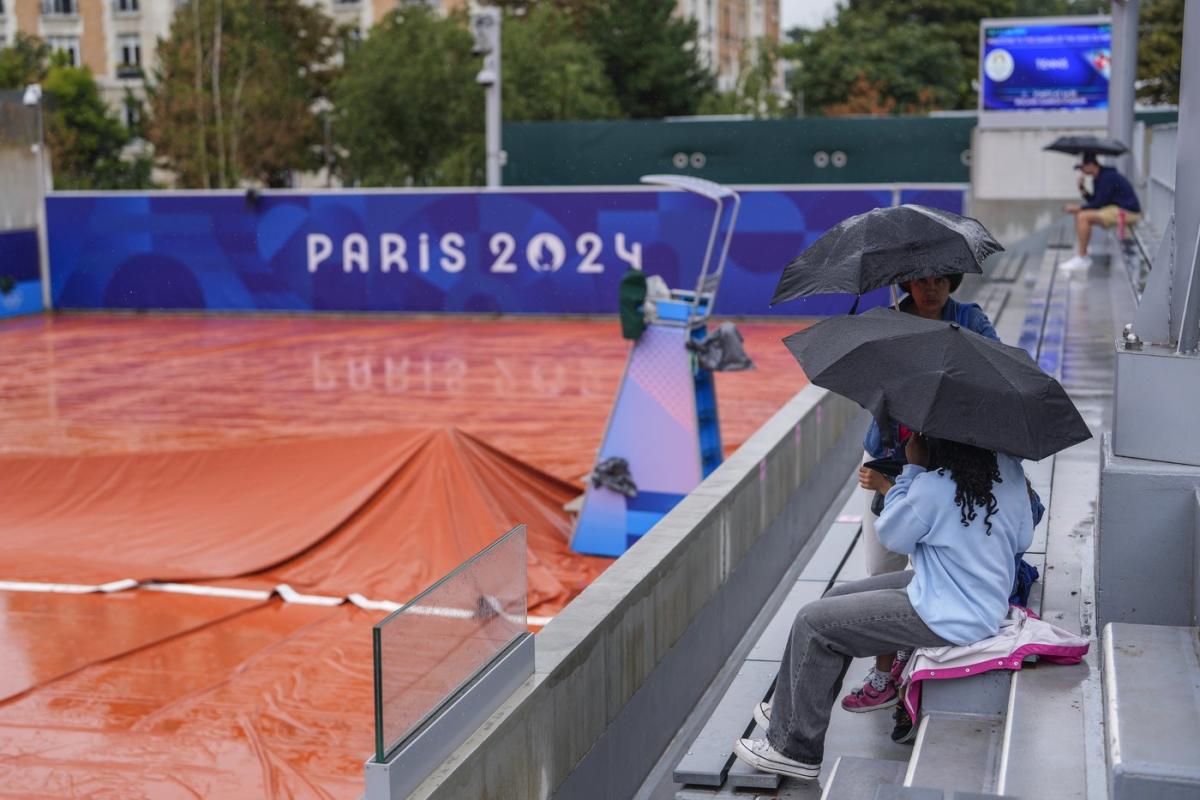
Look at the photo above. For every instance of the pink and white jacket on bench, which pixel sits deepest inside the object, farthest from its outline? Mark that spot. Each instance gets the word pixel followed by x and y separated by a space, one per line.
pixel 1021 635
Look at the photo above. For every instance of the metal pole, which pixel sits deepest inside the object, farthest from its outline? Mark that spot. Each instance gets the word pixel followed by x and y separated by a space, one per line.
pixel 1186 281
pixel 1121 83
pixel 42 181
pixel 485 24
pixel 493 122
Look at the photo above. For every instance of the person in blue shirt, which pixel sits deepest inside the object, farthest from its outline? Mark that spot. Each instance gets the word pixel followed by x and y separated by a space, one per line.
pixel 1112 195
pixel 962 514
pixel 929 298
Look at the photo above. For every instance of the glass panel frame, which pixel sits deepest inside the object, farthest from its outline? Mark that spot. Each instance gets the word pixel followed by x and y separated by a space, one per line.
pixel 427 652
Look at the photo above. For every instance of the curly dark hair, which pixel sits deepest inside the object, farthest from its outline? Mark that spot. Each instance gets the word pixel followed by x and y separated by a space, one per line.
pixel 974 471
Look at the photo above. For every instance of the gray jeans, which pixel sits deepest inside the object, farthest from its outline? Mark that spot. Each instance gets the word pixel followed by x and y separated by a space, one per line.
pixel 853 620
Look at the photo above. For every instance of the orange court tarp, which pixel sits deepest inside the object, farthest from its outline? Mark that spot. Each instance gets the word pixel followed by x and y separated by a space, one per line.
pixel 382 516
pixel 338 456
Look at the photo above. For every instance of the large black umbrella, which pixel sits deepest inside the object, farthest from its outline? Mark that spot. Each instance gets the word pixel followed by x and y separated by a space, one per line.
pixel 884 247
pixel 1074 145
pixel 942 380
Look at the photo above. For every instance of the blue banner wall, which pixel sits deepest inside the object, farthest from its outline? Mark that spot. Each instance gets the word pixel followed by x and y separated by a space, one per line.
pixel 454 251
pixel 20 281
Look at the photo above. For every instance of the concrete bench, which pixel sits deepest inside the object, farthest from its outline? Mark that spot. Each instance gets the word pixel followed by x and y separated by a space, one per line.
pixel 710 756
pixel 992 298
pixel 1006 267
pixel 1152 710
pixel 709 768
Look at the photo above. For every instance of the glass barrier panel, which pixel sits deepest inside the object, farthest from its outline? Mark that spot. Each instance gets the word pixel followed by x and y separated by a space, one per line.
pixel 431 648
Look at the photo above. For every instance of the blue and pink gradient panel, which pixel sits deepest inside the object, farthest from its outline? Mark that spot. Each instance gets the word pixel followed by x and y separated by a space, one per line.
pixel 20 281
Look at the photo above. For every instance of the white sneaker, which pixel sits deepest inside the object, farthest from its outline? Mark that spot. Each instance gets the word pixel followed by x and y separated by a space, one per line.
pixel 762 715
pixel 1077 263
pixel 759 754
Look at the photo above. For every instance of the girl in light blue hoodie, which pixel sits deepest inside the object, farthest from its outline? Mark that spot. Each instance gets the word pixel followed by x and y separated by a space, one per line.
pixel 962 514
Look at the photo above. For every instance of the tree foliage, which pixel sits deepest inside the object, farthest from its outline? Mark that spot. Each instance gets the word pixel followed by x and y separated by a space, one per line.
pixel 84 137
pixel 549 73
pixel 407 101
pixel 755 94
pixel 410 113
pixel 880 56
pixel 23 62
pixel 1160 50
pixel 649 55
pixel 870 63
pixel 234 93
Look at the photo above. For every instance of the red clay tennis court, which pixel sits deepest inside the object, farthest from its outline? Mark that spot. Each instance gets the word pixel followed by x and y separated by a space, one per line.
pixel 337 456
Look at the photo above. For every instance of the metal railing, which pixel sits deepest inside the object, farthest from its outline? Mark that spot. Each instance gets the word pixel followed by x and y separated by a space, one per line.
pixel 1160 175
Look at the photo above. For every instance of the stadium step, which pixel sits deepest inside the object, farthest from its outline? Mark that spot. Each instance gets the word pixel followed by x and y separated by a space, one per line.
pixel 1152 710
pixel 859 778
pixel 1042 756
pixel 956 753
pixel 710 755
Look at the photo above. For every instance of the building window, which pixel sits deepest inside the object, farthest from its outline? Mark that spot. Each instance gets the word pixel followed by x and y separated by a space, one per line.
pixel 66 44
pixel 130 48
pixel 59 7
pixel 133 115
pixel 125 6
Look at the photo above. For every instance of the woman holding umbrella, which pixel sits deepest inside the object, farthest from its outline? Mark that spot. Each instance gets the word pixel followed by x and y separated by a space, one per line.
pixel 928 298
pixel 960 508
pixel 925 251
pixel 962 513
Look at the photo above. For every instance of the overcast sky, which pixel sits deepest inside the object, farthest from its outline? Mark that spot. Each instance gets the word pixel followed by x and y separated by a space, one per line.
pixel 806 13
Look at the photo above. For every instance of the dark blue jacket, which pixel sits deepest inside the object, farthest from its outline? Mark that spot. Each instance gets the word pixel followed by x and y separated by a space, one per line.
pixel 971 317
pixel 1111 188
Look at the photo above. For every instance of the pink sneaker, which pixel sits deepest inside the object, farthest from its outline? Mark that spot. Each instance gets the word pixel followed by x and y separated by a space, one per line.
pixel 898 670
pixel 868 698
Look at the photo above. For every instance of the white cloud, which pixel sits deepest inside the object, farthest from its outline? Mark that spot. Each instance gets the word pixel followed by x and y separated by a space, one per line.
pixel 804 13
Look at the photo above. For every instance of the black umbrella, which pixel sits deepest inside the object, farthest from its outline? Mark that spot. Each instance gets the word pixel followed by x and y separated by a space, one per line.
pixel 884 247
pixel 942 380
pixel 1074 145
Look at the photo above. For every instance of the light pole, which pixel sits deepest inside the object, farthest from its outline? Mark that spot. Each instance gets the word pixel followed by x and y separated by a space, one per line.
pixel 33 99
pixel 485 25
pixel 324 108
pixel 1121 92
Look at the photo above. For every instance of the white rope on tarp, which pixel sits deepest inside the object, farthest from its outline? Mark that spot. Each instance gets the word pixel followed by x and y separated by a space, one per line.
pixel 285 593
pixel 68 588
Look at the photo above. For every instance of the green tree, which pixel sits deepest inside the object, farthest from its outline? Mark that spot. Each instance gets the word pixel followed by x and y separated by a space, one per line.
pixel 755 93
pixel 23 62
pixel 410 113
pixel 879 56
pixel 867 63
pixel 548 72
pixel 234 93
pixel 649 55
pixel 407 103
pixel 85 137
pixel 1160 50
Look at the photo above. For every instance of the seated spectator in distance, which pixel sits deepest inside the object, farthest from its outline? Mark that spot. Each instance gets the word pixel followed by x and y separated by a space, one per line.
pixel 1111 194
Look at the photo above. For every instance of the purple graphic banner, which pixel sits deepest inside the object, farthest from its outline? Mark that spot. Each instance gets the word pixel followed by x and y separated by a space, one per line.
pixel 558 252
pixel 20 282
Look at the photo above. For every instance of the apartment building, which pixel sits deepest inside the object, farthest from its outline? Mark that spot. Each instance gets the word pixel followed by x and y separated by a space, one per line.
pixel 117 39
